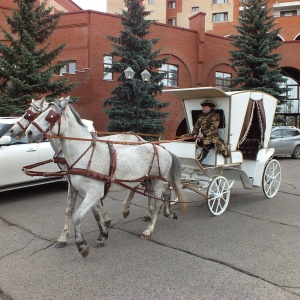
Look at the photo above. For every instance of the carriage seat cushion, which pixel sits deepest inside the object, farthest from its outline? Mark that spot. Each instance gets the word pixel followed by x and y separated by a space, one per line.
pixel 249 148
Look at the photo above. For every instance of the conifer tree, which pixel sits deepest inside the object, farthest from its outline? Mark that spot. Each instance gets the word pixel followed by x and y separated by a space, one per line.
pixel 25 59
pixel 132 105
pixel 255 61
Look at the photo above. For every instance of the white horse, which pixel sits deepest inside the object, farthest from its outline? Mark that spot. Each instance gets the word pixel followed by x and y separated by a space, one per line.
pixel 86 158
pixel 36 107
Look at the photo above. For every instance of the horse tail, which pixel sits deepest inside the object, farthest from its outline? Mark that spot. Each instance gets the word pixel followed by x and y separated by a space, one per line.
pixel 175 181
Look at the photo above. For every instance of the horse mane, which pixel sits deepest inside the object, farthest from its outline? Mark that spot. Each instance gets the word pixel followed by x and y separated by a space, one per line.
pixel 77 116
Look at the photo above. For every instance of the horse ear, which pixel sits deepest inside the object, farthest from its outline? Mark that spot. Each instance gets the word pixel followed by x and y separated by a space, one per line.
pixel 43 100
pixel 32 100
pixel 64 102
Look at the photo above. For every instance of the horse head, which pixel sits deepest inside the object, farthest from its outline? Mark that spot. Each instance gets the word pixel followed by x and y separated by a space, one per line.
pixel 54 120
pixel 35 109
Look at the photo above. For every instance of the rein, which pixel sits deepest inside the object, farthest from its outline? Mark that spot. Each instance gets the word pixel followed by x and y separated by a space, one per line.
pixel 115 142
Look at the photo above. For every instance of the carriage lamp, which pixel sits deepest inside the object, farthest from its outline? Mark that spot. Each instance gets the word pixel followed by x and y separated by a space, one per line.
pixel 129 74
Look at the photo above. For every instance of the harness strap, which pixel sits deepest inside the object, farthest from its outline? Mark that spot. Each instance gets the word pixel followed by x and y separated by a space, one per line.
pixel 38 127
pixel 22 127
pixel 92 154
pixel 88 148
pixel 27 170
pixel 155 154
pixel 112 168
pixel 89 173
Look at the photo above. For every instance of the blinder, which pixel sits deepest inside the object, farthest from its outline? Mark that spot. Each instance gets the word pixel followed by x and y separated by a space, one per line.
pixel 52 117
pixel 30 115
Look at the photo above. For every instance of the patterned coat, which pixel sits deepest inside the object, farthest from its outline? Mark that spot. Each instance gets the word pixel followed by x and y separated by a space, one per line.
pixel 208 123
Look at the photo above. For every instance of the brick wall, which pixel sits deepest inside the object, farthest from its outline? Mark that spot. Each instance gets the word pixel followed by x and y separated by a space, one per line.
pixel 198 56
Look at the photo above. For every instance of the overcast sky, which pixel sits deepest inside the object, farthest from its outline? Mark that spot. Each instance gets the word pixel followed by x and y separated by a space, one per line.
pixel 92 4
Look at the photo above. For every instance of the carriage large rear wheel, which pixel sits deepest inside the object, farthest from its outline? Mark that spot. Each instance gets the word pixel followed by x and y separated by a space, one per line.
pixel 218 194
pixel 271 178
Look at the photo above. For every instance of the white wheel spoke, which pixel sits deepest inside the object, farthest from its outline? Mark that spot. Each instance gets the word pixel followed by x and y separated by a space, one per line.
pixel 271 178
pixel 219 191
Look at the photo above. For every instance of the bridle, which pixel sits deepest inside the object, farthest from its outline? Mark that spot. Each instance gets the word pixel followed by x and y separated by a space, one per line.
pixel 51 118
pixel 30 116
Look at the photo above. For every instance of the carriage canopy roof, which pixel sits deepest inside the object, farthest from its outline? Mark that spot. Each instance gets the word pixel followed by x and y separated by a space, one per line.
pixel 246 114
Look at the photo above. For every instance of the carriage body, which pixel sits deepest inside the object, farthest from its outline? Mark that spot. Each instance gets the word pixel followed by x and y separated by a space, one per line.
pixel 246 119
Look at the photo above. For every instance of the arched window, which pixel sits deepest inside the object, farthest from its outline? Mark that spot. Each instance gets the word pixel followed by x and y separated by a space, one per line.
pixel 292 103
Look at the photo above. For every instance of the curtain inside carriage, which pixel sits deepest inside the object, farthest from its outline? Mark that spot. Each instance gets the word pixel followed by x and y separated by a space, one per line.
pixel 254 125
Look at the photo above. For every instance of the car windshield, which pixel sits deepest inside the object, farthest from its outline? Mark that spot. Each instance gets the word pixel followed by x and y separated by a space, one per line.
pixel 5 131
pixel 4 128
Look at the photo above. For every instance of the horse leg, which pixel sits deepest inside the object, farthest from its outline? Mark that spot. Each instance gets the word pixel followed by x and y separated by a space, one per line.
pixel 69 210
pixel 156 188
pixel 166 194
pixel 147 216
pixel 106 218
pixel 91 199
pixel 101 224
pixel 126 204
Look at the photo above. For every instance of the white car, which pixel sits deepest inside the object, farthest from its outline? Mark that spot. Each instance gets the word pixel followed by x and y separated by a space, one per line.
pixel 17 153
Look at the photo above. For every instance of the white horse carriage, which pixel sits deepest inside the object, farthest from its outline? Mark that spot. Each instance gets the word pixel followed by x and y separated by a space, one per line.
pixel 96 166
pixel 246 119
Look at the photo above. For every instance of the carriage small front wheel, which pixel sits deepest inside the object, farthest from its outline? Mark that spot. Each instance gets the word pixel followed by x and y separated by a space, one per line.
pixel 218 194
pixel 271 178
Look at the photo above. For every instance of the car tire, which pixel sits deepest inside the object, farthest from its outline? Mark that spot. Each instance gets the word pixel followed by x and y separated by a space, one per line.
pixel 296 153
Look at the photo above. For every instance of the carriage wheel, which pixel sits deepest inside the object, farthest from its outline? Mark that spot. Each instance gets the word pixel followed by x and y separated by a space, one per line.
pixel 218 194
pixel 271 178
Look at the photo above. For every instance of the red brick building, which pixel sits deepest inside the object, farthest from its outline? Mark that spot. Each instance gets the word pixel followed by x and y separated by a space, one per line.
pixel 199 58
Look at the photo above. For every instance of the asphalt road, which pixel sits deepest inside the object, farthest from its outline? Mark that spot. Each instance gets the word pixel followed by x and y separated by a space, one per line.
pixel 252 251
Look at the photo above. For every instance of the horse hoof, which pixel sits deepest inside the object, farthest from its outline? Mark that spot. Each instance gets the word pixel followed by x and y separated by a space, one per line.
pixel 125 215
pixel 146 219
pixel 144 237
pixel 85 252
pixel 103 237
pixel 83 248
pixel 107 223
pixel 60 244
pixel 173 216
pixel 100 244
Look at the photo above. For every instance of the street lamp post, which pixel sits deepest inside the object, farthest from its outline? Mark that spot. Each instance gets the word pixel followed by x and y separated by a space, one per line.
pixel 129 74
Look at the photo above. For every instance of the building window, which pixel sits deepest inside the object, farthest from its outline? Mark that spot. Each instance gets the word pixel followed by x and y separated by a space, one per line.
pixel 151 1
pixel 195 8
pixel 107 63
pixel 171 4
pixel 172 21
pixel 170 75
pixel 292 102
pixel 220 17
pixel 288 13
pixel 219 1
pixel 293 88
pixel 69 68
pixel 223 80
